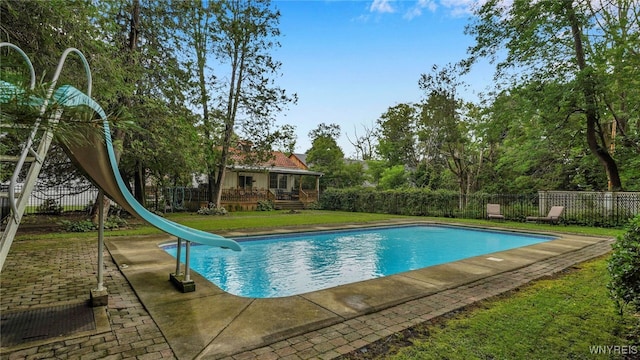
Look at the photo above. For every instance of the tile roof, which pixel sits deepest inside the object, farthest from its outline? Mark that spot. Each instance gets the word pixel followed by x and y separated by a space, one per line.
pixel 277 159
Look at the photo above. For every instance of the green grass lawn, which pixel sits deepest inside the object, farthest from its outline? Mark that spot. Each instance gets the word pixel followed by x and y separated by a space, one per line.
pixel 561 318
pixel 279 219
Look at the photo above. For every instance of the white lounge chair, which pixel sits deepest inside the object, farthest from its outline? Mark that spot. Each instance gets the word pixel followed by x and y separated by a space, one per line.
pixel 555 213
pixel 493 212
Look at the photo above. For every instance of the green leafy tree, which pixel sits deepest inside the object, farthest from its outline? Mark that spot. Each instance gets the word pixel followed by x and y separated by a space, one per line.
pixel 196 40
pixel 248 30
pixel 446 127
pixel 393 178
pixel 326 156
pixel 375 168
pixel 397 135
pixel 537 149
pixel 583 44
pixel 43 30
pixel 156 104
pixel 239 35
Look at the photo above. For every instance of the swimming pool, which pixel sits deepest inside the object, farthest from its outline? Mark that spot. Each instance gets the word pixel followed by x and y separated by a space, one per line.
pixel 284 265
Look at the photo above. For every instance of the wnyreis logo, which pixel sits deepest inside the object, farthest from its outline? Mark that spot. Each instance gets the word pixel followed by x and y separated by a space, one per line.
pixel 613 349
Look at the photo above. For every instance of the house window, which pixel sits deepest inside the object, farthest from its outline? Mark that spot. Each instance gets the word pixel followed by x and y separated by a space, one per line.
pixel 277 181
pixel 282 182
pixel 245 182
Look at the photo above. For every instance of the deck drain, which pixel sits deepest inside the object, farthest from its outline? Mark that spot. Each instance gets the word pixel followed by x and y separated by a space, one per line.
pixel 39 324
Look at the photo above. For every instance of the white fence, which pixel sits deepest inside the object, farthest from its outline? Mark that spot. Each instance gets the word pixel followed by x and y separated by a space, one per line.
pixel 605 203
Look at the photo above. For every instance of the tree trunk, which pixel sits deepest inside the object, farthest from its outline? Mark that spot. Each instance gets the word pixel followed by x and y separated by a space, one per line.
pixel 138 182
pixel 211 187
pixel 595 138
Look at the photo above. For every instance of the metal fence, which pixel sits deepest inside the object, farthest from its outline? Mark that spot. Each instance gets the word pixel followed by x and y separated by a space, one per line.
pixel 605 209
pixel 581 208
pixel 57 199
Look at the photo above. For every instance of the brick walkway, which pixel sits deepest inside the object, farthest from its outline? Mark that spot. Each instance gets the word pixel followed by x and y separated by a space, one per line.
pixel 52 272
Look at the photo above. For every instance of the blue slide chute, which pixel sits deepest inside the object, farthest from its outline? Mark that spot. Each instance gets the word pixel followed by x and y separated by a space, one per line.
pixel 97 158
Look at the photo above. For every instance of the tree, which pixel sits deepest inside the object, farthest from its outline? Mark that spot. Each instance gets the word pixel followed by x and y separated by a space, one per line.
pixel 566 42
pixel 397 135
pixel 325 155
pixel 445 129
pixel 331 131
pixel 365 145
pixel 530 149
pixel 43 30
pixel 195 41
pixel 240 35
pixel 393 177
pixel 247 32
pixel 156 103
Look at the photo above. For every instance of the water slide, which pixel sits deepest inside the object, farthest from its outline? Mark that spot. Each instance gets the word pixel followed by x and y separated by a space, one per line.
pixel 97 159
pixel 94 154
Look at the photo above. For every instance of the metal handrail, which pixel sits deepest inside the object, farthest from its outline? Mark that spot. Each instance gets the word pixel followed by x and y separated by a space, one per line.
pixel 32 72
pixel 28 146
pixel 25 151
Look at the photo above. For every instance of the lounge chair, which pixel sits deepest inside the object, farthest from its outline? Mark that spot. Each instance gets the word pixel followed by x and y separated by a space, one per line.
pixel 553 217
pixel 493 212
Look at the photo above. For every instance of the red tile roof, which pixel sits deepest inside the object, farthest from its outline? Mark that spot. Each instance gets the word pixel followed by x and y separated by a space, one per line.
pixel 277 159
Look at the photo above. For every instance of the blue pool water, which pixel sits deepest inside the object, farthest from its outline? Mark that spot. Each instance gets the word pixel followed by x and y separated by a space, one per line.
pixel 284 265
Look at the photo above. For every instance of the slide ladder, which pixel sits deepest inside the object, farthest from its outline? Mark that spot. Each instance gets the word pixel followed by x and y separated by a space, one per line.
pixel 38 137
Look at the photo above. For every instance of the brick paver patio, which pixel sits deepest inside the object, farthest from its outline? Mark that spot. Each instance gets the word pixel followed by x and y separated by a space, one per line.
pixel 52 272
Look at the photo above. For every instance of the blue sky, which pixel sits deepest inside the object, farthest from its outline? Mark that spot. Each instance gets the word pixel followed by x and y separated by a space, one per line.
pixel 349 61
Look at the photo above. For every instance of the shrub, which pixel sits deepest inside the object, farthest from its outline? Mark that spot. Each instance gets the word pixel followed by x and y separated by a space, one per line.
pixel 624 268
pixel 115 222
pixel 50 206
pixel 211 209
pixel 111 223
pixel 265 205
pixel 78 226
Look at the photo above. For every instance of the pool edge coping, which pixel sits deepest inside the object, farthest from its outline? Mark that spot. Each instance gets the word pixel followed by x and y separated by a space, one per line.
pixel 217 345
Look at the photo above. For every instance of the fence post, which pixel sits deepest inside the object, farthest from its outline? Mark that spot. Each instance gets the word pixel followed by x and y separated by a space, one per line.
pixel 542 202
pixel 608 203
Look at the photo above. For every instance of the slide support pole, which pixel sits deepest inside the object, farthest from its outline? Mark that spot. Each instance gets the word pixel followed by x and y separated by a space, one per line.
pixel 187 273
pixel 178 251
pixel 100 240
pixel 100 296
pixel 183 281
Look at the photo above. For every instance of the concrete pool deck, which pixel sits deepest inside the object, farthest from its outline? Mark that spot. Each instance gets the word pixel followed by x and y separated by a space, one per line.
pixel 212 324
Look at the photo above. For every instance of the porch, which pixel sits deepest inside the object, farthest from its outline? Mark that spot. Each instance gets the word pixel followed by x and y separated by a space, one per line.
pixel 247 199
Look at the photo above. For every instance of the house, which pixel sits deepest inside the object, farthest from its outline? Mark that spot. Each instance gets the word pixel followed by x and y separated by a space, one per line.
pixel 278 179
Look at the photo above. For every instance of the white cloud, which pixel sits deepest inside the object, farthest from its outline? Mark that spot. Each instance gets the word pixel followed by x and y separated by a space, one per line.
pixel 416 10
pixel 381 6
pixel 460 7
pixel 453 8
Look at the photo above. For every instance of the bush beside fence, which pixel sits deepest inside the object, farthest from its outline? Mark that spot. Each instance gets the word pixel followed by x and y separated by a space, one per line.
pixel 603 209
pixel 581 208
